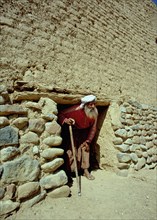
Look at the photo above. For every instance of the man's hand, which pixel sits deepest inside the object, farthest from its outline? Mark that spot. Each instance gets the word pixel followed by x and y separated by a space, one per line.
pixel 85 145
pixel 69 121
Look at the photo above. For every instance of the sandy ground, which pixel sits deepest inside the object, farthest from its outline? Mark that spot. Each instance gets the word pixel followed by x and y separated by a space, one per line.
pixel 109 197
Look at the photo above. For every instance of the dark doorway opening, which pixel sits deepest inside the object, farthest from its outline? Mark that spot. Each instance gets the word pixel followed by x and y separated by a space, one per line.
pixel 95 148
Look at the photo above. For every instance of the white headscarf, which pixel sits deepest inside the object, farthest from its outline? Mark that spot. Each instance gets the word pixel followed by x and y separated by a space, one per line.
pixel 86 99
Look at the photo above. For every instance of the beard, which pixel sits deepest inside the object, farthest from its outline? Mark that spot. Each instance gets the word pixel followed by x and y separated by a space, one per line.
pixel 91 112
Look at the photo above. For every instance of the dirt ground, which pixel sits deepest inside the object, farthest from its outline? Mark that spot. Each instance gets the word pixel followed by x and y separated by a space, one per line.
pixel 109 197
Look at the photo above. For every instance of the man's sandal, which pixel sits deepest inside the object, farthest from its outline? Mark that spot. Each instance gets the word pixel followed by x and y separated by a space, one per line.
pixel 89 176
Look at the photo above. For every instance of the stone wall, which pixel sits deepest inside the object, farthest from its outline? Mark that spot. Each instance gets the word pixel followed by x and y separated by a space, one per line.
pixel 30 156
pixel 135 136
pixel 98 46
pixel 128 137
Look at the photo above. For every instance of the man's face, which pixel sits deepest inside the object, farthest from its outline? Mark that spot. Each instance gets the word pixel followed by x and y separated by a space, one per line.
pixel 91 110
pixel 91 105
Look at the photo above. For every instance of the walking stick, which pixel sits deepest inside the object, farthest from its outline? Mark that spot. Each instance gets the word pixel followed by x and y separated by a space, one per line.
pixel 75 162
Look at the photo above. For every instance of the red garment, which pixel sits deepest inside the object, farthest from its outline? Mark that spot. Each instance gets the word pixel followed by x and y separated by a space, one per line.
pixel 81 120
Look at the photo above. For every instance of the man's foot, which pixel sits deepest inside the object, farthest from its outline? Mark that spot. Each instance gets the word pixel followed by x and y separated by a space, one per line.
pixel 88 175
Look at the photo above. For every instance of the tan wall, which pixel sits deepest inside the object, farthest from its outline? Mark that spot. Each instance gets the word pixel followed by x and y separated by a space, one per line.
pixel 105 47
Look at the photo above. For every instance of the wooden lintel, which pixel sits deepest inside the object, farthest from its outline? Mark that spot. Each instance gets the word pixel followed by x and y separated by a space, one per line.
pixel 59 98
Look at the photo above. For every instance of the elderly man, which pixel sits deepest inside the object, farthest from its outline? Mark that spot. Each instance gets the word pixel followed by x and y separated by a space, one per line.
pixel 83 118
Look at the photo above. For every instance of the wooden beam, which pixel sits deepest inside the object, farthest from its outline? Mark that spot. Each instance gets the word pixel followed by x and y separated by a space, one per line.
pixel 59 98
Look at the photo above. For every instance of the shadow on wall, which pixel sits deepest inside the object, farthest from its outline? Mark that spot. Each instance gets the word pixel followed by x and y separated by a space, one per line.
pixel 95 148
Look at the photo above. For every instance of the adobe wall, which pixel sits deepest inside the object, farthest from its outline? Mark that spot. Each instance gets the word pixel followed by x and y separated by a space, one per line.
pixel 102 47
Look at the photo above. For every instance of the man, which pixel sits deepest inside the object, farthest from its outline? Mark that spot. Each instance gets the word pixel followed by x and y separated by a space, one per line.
pixel 83 119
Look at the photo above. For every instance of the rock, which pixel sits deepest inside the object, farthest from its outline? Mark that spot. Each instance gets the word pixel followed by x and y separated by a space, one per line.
pixel 142 140
pixel 150 152
pixel 121 133
pixel 8 136
pixel 135 104
pixel 122 109
pixel 34 200
pixel 30 137
pixel 123 166
pixel 141 162
pixel 20 170
pixel 143 132
pixel 49 117
pixel 2 101
pixel 35 150
pixel 123 157
pixel 154 158
pixel 12 109
pixel 123 147
pixel 28 190
pixel 145 107
pixel 20 122
pixel 4 93
pixel 53 128
pixel 145 154
pixel 148 160
pixel 134 157
pixel 8 206
pixel 63 191
pixel 33 105
pixel 117 141
pixel 48 106
pixel 53 165
pixel 10 191
pixel 134 147
pixel 129 122
pixel 128 141
pixel 136 140
pixel 3 122
pixel 153 165
pixel 52 152
pixel 135 127
pixel 53 141
pixel 139 153
pixel 3 88
pixel 130 133
pixel 8 153
pixel 129 110
pixel 53 181
pixel 37 125
pixel 2 192
pixel 143 147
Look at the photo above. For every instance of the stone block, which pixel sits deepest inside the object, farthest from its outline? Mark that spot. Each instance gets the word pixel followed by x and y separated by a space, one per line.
pixel 20 170
pixel 8 136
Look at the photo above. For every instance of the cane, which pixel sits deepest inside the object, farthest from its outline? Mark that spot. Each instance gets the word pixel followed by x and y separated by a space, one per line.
pixel 75 162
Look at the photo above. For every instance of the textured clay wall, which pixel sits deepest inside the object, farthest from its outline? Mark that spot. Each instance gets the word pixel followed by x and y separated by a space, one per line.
pixel 101 46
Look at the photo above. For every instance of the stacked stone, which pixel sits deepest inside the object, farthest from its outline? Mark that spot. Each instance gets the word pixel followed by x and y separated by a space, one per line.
pixel 30 155
pixel 136 139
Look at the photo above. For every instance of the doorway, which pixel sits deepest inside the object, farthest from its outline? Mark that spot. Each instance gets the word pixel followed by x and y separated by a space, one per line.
pixel 95 148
